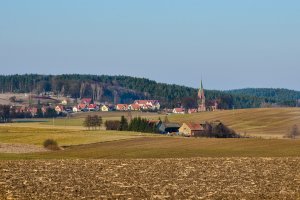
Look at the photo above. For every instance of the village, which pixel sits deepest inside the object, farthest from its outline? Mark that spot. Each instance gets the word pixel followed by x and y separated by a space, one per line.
pixel 47 106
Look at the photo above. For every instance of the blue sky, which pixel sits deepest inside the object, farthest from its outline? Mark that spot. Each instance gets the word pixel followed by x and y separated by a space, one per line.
pixel 231 44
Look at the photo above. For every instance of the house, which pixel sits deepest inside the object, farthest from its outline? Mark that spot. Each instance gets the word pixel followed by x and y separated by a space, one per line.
pixel 82 107
pixel 86 101
pixel 44 109
pixel 33 111
pixel 134 107
pixel 191 129
pixel 178 110
pixel 168 127
pixel 191 110
pixel 122 107
pixel 75 109
pixel 64 102
pixel 104 108
pixel 59 109
pixel 148 104
pixel 92 107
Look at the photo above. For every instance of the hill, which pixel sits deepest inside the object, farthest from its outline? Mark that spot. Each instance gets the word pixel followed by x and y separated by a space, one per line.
pixel 270 95
pixel 125 89
pixel 262 122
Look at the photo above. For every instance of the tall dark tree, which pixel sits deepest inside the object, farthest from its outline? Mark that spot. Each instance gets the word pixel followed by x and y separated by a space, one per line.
pixel 123 124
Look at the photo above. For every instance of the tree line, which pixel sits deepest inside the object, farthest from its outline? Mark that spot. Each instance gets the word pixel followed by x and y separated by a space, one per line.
pixel 125 89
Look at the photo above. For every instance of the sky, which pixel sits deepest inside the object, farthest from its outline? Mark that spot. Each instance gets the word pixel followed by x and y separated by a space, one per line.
pixel 229 44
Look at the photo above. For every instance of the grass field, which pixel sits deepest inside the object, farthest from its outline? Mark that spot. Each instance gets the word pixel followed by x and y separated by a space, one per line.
pixel 36 136
pixel 262 122
pixel 268 123
pixel 77 119
pixel 171 147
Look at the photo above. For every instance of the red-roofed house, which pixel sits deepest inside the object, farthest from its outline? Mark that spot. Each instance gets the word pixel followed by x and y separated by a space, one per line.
pixel 178 110
pixel 33 111
pixel 92 107
pixel 191 110
pixel 82 106
pixel 59 109
pixel 122 107
pixel 190 129
pixel 148 104
pixel 134 107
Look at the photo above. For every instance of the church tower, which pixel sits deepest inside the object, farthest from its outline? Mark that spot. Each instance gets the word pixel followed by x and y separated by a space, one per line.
pixel 201 99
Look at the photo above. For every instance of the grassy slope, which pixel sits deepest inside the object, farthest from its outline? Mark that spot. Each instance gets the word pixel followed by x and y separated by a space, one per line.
pixel 170 147
pixel 36 136
pixel 266 122
pixel 78 118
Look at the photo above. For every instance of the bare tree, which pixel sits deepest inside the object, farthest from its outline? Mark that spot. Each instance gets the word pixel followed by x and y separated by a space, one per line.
pixel 294 132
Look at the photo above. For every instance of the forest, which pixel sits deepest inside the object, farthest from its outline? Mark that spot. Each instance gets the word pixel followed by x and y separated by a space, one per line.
pixel 125 89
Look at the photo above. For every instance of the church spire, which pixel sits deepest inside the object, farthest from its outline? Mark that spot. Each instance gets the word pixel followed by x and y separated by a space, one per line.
pixel 201 99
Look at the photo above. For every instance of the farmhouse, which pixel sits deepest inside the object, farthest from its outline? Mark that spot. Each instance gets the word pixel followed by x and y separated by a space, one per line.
pixel 191 129
pixel 168 127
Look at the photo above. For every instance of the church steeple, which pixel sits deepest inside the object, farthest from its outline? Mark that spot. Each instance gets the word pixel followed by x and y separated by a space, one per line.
pixel 201 99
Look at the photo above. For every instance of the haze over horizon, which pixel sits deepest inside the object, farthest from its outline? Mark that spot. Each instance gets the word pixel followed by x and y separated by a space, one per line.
pixel 231 44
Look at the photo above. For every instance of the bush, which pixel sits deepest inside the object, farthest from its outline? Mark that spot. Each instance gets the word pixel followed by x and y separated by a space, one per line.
pixel 293 133
pixel 112 125
pixel 51 144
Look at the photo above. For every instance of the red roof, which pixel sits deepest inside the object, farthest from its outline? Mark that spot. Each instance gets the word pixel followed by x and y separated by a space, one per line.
pixel 178 110
pixel 122 106
pixel 194 126
pixel 92 106
pixel 81 106
pixel 135 106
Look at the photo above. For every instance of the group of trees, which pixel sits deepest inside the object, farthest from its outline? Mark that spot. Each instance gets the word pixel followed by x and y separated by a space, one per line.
pixel 92 122
pixel 217 130
pixel 137 124
pixel 125 89
pixel 5 115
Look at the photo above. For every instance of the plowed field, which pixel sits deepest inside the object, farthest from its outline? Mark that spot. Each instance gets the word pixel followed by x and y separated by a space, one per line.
pixel 190 178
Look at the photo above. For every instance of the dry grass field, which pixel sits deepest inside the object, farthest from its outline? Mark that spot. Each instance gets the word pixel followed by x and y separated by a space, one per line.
pixel 126 165
pixel 261 122
pixel 193 178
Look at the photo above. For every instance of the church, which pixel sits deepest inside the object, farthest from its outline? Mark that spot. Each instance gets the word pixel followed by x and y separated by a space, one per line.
pixel 202 105
pixel 201 99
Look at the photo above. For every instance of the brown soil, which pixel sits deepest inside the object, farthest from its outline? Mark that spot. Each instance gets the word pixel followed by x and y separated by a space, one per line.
pixel 20 148
pixel 194 178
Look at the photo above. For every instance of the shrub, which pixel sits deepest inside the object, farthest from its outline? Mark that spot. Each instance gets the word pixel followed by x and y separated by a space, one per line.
pixel 293 133
pixel 112 125
pixel 51 144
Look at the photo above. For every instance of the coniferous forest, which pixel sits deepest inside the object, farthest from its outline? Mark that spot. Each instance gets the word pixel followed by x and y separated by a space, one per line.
pixel 125 89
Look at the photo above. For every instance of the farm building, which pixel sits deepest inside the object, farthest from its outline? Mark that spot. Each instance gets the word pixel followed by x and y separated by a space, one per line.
pixel 168 127
pixel 191 129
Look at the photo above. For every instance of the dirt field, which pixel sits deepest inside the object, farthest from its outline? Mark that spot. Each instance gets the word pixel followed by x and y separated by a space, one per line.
pixel 194 178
